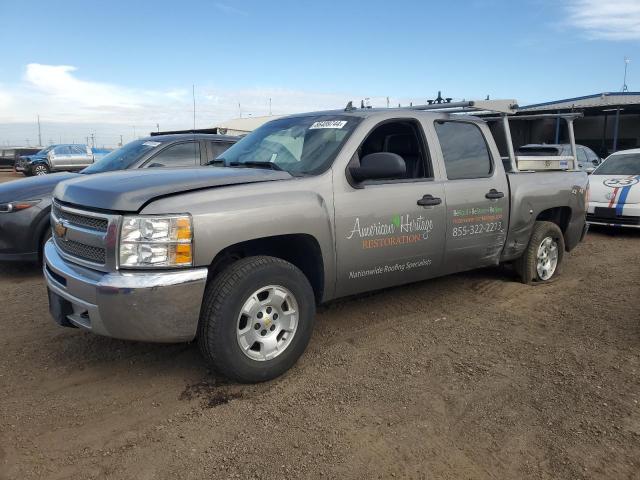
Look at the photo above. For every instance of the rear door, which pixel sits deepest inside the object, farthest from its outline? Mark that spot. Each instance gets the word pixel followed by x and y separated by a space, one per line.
pixel 477 195
pixel 80 157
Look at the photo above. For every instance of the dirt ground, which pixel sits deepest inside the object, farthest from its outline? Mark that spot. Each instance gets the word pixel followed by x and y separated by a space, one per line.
pixel 471 376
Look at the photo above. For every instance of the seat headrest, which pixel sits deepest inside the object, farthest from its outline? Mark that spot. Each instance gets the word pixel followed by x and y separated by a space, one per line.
pixel 402 144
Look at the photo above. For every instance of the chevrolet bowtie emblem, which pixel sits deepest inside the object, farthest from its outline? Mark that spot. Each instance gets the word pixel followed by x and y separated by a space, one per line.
pixel 60 230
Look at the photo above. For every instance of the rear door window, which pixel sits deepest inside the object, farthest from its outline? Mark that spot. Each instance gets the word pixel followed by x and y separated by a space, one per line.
pixel 464 150
pixel 185 154
pixel 215 149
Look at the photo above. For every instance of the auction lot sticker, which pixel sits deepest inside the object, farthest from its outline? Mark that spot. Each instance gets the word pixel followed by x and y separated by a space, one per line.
pixel 328 124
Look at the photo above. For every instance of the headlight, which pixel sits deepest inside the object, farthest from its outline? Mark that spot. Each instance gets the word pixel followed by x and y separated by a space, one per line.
pixel 156 241
pixel 17 206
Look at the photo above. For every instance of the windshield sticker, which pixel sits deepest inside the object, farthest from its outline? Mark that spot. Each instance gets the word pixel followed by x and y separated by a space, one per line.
pixel 151 144
pixel 328 124
pixel 400 230
pixel 390 268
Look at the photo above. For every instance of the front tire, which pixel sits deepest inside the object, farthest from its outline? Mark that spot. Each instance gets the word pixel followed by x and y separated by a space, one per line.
pixel 541 262
pixel 40 170
pixel 257 318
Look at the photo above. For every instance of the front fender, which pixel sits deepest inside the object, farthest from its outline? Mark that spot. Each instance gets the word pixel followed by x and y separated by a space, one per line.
pixel 225 216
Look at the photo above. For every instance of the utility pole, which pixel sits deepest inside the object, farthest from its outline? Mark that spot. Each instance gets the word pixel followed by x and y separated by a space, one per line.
pixel 27 140
pixel 193 92
pixel 269 106
pixel 120 140
pixel 239 110
pixel 624 82
pixel 158 127
pixel 87 140
pixel 93 140
pixel 39 133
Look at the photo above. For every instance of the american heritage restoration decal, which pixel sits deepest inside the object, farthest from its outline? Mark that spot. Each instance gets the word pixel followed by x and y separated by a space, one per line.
pixel 400 230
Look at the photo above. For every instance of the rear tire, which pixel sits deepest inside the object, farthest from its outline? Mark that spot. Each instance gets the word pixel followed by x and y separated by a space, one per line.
pixel 541 262
pixel 257 318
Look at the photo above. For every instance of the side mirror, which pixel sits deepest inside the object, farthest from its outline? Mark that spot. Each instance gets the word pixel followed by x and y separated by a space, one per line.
pixel 589 170
pixel 378 166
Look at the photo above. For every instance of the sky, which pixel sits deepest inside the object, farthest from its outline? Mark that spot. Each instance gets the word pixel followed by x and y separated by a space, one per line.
pixel 129 67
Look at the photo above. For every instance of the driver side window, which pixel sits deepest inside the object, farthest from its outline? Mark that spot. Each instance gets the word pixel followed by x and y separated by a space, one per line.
pixel 403 138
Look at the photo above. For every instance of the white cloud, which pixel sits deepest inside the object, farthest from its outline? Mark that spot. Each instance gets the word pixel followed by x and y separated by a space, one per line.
pixel 606 19
pixel 61 96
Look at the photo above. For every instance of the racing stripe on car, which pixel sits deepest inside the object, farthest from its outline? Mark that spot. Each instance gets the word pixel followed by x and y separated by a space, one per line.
pixel 623 196
pixel 613 197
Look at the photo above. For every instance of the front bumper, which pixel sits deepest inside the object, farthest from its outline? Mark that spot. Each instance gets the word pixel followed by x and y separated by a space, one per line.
pixel 152 306
pixel 622 216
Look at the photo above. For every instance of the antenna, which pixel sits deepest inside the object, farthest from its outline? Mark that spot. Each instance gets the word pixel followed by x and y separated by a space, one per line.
pixel 624 82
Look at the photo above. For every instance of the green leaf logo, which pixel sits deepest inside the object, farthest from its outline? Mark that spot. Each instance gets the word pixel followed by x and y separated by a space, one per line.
pixel 396 220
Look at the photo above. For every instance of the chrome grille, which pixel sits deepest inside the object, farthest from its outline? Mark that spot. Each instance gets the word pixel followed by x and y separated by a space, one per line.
pixel 85 237
pixel 94 223
pixel 80 250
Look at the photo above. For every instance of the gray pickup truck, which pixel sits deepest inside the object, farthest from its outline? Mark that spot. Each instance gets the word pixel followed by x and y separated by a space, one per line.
pixel 303 210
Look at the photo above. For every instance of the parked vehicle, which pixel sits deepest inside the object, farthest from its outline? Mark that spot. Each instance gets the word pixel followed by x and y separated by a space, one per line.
pixel 587 159
pixel 8 156
pixel 309 208
pixel 615 191
pixel 58 158
pixel 25 204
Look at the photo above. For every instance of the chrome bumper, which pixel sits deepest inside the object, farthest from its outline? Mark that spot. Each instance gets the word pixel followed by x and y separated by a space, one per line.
pixel 157 306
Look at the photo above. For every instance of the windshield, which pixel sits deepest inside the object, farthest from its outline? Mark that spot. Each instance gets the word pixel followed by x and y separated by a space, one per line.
pixel 298 145
pixel 620 164
pixel 122 158
pixel 44 151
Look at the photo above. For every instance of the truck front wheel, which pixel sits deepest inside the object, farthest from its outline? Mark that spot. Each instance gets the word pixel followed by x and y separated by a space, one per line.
pixel 541 262
pixel 257 318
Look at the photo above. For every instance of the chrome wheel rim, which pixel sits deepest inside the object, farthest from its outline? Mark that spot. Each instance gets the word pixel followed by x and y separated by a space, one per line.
pixel 547 258
pixel 40 170
pixel 267 323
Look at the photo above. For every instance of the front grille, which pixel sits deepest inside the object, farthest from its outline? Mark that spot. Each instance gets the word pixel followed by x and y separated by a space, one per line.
pixel 617 220
pixel 94 223
pixel 82 251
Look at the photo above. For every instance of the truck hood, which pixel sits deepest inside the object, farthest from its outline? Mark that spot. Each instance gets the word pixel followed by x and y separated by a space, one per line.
pixel 614 189
pixel 32 188
pixel 129 191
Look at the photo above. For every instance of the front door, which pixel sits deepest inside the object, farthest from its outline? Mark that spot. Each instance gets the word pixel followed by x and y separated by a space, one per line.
pixel 384 237
pixel 477 195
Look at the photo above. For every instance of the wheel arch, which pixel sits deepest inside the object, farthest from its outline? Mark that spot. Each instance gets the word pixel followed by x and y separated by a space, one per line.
pixel 561 216
pixel 300 249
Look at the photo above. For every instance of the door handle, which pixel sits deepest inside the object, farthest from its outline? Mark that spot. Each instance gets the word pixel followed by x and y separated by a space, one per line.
pixel 493 194
pixel 429 201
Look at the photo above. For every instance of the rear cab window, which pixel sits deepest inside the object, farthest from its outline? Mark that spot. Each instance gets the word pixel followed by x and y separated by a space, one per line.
pixel 464 150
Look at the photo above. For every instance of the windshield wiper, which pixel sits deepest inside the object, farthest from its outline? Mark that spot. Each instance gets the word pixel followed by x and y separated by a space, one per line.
pixel 256 163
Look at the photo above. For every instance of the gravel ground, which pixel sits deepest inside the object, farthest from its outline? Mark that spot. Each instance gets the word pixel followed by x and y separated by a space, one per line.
pixel 470 376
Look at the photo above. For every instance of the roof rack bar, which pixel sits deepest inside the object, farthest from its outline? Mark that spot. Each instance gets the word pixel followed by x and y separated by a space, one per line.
pixel 567 116
pixel 442 106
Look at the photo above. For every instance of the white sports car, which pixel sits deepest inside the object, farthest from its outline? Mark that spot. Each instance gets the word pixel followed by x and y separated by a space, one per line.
pixel 615 191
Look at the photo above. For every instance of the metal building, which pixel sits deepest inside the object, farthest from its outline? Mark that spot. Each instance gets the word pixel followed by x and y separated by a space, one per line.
pixel 611 122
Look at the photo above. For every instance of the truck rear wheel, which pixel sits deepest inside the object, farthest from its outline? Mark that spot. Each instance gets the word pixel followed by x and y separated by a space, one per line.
pixel 541 262
pixel 257 318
